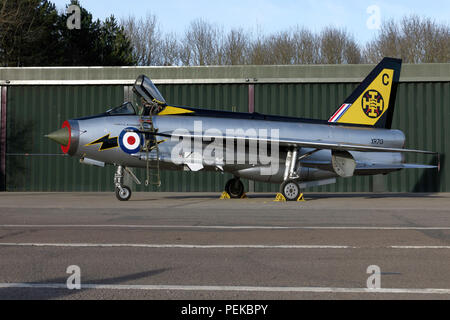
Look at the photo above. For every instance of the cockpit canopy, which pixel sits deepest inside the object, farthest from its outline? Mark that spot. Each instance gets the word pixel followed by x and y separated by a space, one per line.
pixel 151 100
pixel 145 88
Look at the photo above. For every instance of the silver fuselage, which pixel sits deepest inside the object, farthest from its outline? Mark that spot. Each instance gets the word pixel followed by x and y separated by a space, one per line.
pixel 315 167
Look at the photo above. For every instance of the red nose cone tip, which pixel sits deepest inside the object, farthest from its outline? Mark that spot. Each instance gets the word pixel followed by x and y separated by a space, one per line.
pixel 66 148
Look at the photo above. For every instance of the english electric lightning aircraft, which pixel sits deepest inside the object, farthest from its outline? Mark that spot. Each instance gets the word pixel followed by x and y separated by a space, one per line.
pixel 356 140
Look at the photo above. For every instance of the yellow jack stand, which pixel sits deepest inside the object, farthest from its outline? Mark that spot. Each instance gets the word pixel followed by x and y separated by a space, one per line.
pixel 244 196
pixel 225 196
pixel 301 198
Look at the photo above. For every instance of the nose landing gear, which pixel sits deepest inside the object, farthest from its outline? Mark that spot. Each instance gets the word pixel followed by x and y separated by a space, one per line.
pixel 123 193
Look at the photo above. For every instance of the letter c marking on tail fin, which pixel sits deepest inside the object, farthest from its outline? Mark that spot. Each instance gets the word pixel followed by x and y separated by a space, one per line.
pixel 386 79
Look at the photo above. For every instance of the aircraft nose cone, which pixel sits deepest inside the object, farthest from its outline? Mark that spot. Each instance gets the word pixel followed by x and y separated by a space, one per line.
pixel 61 136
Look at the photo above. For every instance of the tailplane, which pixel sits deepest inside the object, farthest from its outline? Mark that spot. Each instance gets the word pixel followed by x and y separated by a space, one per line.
pixel 372 103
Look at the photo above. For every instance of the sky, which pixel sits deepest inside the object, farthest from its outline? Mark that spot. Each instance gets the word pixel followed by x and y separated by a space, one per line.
pixel 360 18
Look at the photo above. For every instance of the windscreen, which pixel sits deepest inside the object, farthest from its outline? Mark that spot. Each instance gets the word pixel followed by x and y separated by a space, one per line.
pixel 125 109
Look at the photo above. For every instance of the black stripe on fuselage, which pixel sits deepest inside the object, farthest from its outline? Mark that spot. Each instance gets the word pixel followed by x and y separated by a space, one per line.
pixel 258 116
pixel 240 115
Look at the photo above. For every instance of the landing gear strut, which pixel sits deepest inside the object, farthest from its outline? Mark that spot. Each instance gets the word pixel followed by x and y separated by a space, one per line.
pixel 290 189
pixel 235 188
pixel 123 193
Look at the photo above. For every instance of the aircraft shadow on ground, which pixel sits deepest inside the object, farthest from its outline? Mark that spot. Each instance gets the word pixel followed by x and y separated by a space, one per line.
pixel 427 186
pixel 308 196
pixel 47 294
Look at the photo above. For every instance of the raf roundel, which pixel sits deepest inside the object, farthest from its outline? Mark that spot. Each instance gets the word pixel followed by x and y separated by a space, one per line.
pixel 130 140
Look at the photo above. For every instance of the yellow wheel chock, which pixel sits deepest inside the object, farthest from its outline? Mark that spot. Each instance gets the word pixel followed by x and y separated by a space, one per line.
pixel 226 196
pixel 281 198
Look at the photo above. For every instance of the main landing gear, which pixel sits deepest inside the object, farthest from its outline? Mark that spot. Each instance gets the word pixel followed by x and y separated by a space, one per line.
pixel 290 189
pixel 235 188
pixel 123 193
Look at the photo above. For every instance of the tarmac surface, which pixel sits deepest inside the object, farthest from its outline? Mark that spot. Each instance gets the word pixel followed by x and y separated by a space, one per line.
pixel 194 246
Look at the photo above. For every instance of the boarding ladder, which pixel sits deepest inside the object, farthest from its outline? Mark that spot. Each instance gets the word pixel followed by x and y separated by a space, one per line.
pixel 152 167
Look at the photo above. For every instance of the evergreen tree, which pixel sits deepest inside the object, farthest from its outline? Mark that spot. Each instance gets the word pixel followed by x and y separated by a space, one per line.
pixel 32 33
pixel 28 34
pixel 115 48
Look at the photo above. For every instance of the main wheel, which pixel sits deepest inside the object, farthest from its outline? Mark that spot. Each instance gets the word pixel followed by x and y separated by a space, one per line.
pixel 290 190
pixel 235 188
pixel 124 194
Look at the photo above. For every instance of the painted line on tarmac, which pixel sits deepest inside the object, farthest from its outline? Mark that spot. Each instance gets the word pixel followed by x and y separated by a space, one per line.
pixel 170 246
pixel 225 288
pixel 49 226
pixel 420 247
pixel 194 246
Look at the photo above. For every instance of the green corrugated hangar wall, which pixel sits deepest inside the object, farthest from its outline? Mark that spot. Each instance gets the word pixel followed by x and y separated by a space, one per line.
pixel 35 101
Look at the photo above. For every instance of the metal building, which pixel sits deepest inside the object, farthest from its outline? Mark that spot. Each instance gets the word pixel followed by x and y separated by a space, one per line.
pixel 35 101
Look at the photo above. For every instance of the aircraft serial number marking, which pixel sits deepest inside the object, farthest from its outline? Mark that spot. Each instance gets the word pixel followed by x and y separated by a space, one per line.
pixel 377 141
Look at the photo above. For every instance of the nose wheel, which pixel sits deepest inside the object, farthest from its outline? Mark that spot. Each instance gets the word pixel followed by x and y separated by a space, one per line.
pixel 123 193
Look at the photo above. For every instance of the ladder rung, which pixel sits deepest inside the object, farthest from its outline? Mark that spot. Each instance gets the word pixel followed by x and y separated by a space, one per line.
pixel 152 165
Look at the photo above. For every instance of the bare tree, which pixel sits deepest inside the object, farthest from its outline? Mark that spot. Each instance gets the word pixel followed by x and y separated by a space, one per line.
pixel 436 41
pixel 145 37
pixel 10 21
pixel 235 48
pixel 202 44
pixel 170 50
pixel 411 46
pixel 281 48
pixel 414 39
pixel 8 16
pixel 185 54
pixel 307 47
pixel 301 46
pixel 337 47
pixel 258 51
pixel 352 53
pixel 386 44
pixel 332 43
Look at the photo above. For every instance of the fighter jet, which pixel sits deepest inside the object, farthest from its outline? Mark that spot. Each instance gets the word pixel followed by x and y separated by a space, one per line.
pixel 296 153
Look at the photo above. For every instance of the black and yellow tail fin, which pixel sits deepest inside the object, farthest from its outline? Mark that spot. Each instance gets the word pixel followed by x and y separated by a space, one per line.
pixel 372 103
